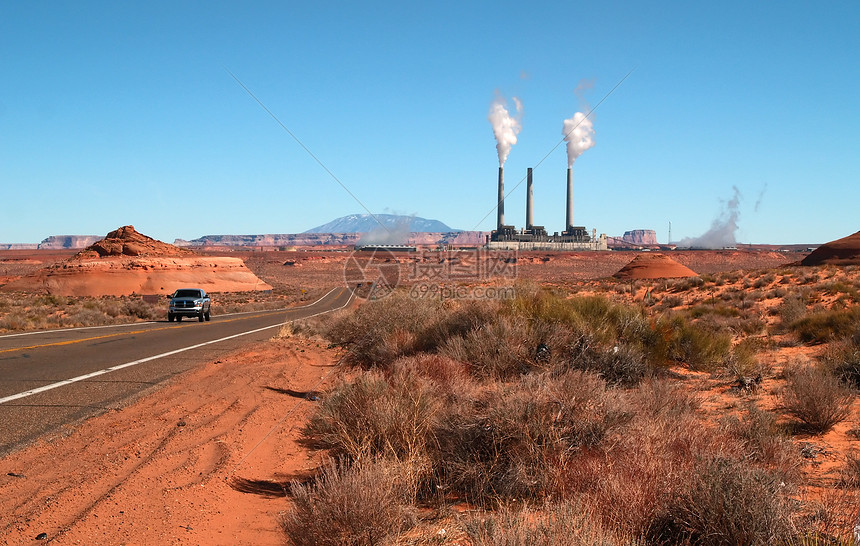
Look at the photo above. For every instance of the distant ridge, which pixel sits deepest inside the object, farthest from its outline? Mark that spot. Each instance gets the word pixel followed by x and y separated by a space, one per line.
pixel 365 223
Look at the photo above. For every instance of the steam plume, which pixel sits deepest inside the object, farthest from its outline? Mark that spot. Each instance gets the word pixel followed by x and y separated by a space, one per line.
pixel 760 197
pixel 505 127
pixel 395 231
pixel 723 228
pixel 578 132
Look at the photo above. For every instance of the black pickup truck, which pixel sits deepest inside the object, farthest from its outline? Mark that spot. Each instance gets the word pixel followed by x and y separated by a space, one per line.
pixel 189 302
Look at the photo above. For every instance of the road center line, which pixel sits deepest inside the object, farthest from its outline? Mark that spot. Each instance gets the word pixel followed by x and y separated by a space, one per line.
pixel 84 377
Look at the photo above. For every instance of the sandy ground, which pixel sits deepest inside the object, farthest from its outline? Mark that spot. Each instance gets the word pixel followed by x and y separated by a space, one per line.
pixel 200 461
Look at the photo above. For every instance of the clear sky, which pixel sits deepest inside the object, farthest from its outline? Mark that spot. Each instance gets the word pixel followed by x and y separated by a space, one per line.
pixel 115 113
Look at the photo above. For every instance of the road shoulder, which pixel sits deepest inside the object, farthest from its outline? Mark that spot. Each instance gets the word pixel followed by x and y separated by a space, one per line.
pixel 199 461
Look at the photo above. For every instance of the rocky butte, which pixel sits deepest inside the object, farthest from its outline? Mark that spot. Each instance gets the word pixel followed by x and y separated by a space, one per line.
pixel 640 237
pixel 126 262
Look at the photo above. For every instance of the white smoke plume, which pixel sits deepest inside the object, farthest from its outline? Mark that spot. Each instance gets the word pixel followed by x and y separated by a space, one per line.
pixel 760 197
pixel 505 126
pixel 578 132
pixel 723 228
pixel 393 231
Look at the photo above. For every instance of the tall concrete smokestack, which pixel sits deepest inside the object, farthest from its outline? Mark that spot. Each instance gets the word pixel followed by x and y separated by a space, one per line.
pixel 529 217
pixel 501 200
pixel 569 199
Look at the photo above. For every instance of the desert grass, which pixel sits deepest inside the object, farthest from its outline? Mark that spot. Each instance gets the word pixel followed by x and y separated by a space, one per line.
pixel 22 312
pixel 828 325
pixel 551 524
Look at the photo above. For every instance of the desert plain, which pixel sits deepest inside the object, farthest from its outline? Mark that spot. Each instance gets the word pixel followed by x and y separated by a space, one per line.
pixel 653 407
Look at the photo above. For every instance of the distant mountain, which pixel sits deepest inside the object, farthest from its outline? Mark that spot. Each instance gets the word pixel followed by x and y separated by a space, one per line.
pixel 365 223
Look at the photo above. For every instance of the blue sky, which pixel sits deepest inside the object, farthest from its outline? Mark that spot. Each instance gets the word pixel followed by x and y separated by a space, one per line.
pixel 115 113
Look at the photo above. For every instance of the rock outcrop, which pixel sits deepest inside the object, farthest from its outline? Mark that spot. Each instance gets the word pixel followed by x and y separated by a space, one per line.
pixel 126 241
pixel 640 237
pixel 127 262
pixel 57 242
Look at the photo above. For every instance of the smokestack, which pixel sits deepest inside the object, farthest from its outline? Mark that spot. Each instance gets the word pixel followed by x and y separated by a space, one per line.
pixel 569 199
pixel 529 217
pixel 501 201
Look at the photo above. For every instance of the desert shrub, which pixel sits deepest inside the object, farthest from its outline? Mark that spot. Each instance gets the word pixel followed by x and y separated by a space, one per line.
pixel 670 302
pixel 502 348
pixel 792 309
pixel 823 326
pixel 379 332
pixel 777 292
pixel 851 470
pixel 698 347
pixel 743 361
pixel 112 308
pixel 842 359
pixel 809 278
pixel 458 319
pixel 731 276
pixel 558 524
pixel 728 502
pixel 623 364
pixel 683 285
pixel 361 505
pixel 16 320
pixel 50 300
pixel 733 294
pixel 514 441
pixel 727 319
pixel 764 442
pixel 604 320
pixel 643 465
pixel 142 310
pixel 375 416
pixel 87 315
pixel 720 310
pixel 765 280
pixel 815 398
pixel 450 377
pixel 658 398
pixel 840 287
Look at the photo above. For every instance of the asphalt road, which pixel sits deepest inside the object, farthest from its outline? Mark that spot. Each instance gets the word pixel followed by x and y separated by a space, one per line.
pixel 55 378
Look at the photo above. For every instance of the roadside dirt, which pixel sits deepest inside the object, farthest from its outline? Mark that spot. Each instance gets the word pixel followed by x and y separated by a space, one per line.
pixel 201 461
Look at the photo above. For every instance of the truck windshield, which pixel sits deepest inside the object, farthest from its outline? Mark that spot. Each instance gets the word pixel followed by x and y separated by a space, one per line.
pixel 187 294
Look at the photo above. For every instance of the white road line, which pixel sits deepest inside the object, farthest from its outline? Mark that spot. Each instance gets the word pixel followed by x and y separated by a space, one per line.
pixel 84 377
pixel 153 322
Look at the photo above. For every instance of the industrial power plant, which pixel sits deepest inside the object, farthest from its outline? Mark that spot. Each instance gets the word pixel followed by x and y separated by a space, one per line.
pixel 578 133
pixel 532 237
